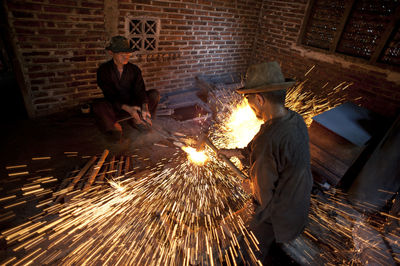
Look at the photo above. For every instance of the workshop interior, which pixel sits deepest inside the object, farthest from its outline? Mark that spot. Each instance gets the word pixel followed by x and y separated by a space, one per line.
pixel 161 192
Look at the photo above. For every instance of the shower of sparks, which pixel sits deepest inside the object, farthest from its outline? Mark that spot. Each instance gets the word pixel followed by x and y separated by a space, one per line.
pixel 117 185
pixel 236 124
pixel 177 212
pixel 197 157
pixel 232 129
pixel 306 103
pixel 339 234
pixel 242 126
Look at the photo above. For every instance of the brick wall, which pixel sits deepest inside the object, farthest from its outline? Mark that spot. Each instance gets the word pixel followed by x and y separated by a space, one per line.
pixel 196 37
pixel 60 44
pixel 279 28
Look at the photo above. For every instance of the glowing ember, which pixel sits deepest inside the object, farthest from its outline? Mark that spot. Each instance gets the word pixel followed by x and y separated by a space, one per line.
pixel 197 157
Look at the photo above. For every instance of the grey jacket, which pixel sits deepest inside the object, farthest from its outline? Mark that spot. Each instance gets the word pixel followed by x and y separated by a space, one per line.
pixel 279 161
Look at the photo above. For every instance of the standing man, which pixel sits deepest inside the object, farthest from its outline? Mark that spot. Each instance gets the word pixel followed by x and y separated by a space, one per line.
pixel 278 157
pixel 124 91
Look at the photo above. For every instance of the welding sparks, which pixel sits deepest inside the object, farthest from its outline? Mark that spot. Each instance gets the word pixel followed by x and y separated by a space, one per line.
pixel 171 214
pixel 116 185
pixel 197 157
pixel 242 125
pixel 174 213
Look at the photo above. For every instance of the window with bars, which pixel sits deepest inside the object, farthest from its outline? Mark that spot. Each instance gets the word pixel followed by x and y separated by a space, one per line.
pixel 142 33
pixel 367 29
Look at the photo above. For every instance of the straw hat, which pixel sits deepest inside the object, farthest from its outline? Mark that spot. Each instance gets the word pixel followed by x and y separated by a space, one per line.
pixel 265 77
pixel 119 44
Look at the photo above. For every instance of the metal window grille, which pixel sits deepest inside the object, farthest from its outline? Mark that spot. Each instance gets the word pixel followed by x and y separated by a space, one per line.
pixel 142 33
pixel 366 29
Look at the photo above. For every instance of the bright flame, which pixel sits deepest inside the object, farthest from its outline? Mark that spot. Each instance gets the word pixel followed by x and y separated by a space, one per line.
pixel 242 125
pixel 116 185
pixel 197 157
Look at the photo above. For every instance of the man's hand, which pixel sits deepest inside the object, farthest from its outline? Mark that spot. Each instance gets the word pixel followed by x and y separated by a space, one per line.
pixel 145 114
pixel 231 153
pixel 133 111
pixel 146 117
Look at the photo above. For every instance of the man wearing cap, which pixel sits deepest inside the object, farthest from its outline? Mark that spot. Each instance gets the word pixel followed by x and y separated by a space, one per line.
pixel 278 158
pixel 124 91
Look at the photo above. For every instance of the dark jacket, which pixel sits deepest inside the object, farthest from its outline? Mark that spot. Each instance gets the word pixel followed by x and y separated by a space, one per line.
pixel 129 89
pixel 280 172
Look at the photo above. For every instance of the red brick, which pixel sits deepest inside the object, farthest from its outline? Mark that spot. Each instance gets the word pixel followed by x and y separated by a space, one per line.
pixel 170 10
pixel 64 2
pixel 197 36
pixel 34 68
pixel 36 54
pixel 58 9
pixel 92 5
pixel 83 11
pixel 45 100
pixel 14 5
pixel 38 94
pixel 51 32
pixel 21 14
pixel 76 83
pixel 160 3
pixel 52 17
pixel 24 31
pixel 152 9
pixel 41 75
pixel 92 19
pixel 37 82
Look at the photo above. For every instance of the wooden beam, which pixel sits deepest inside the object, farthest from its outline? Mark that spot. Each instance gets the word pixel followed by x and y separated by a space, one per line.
pixel 394 20
pixel 343 22
pixel 17 62
pixel 305 22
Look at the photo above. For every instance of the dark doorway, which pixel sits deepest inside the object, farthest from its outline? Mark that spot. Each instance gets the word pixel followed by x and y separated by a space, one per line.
pixel 12 105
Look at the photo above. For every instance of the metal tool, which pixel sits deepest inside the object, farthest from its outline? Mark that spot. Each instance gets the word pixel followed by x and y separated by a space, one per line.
pixel 124 119
pixel 206 141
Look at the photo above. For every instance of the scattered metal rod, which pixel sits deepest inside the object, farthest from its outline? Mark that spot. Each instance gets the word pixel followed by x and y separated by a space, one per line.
pixel 76 179
pixel 96 169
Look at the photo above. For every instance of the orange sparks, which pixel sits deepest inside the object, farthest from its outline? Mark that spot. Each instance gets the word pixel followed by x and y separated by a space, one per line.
pixel 197 157
pixel 242 125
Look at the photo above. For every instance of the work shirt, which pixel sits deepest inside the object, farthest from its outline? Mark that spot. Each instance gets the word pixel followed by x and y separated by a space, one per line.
pixel 280 172
pixel 126 89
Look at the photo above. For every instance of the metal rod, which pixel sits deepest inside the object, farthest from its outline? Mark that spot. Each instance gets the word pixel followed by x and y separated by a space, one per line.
pixel 124 119
pixel 225 159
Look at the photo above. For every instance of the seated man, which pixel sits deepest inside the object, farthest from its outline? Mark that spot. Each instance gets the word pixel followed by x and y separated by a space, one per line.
pixel 124 91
